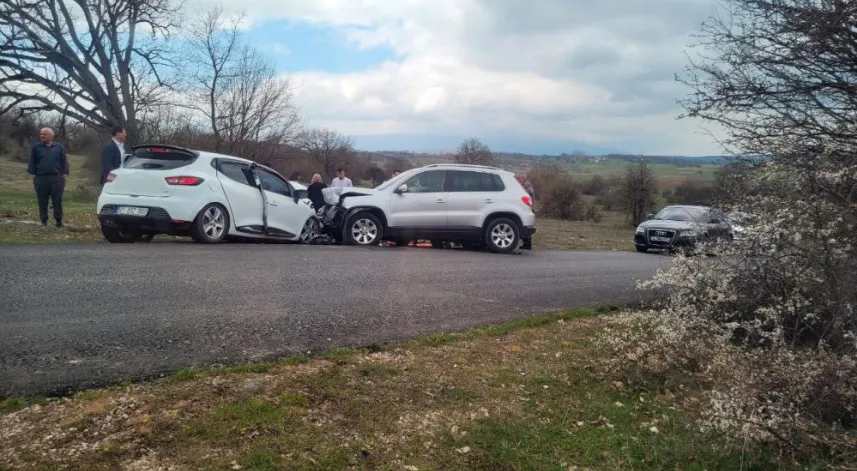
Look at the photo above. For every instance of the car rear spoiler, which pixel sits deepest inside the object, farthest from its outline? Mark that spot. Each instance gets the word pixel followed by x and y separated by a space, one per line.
pixel 164 148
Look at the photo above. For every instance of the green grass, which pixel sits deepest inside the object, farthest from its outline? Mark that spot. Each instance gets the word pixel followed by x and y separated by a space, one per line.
pixel 520 395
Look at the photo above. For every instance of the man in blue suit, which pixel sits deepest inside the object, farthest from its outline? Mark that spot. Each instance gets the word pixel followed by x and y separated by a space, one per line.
pixel 113 152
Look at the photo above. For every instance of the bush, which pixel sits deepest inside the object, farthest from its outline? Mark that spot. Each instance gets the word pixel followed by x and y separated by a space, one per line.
pixel 597 185
pixel 769 325
pixel 593 213
pixel 562 200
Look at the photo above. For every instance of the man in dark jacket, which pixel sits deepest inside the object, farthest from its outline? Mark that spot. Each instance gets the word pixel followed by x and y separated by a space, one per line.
pixel 48 164
pixel 113 152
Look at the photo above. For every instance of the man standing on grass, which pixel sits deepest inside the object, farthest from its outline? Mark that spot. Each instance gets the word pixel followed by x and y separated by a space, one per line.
pixel 113 152
pixel 341 181
pixel 48 164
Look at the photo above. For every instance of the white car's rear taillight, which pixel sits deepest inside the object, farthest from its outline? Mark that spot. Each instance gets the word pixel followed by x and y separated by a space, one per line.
pixel 184 181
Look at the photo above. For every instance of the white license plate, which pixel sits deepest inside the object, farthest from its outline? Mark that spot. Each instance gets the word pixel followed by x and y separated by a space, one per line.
pixel 132 211
pixel 660 239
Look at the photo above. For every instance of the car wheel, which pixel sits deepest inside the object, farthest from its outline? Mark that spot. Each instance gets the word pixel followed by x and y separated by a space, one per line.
pixel 309 231
pixel 642 249
pixel 114 234
pixel 502 235
pixel 363 229
pixel 210 225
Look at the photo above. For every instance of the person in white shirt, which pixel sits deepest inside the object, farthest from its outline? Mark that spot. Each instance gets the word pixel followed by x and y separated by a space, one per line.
pixel 341 181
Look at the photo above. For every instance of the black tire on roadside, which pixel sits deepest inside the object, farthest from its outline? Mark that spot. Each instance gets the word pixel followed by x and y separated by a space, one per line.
pixel 363 229
pixel 211 224
pixel 502 235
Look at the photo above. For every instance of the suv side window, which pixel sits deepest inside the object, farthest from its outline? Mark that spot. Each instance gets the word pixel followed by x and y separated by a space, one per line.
pixel 236 171
pixel 431 181
pixel 273 183
pixel 462 180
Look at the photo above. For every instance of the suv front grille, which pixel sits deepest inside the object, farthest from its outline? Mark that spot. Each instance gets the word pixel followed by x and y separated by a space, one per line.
pixel 661 233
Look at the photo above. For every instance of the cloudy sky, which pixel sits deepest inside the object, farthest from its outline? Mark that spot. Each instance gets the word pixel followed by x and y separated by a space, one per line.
pixel 523 75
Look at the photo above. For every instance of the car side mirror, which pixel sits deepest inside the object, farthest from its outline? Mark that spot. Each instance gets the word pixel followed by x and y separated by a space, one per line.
pixel 402 189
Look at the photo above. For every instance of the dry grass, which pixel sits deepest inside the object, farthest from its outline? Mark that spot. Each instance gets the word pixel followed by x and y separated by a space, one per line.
pixel 612 233
pixel 512 397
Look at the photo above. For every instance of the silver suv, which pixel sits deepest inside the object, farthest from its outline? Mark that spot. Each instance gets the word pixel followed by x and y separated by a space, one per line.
pixel 473 205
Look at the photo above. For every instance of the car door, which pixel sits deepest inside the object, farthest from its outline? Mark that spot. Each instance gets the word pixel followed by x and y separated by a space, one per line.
pixel 423 205
pixel 245 201
pixel 471 196
pixel 284 214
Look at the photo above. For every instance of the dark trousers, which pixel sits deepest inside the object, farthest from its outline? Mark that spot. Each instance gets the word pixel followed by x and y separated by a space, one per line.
pixel 49 186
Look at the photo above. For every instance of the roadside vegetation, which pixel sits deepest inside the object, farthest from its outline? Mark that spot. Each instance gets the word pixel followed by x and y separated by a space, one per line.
pixel 520 396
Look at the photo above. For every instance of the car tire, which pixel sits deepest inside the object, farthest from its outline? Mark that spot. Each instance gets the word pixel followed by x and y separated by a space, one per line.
pixel 642 249
pixel 113 233
pixel 211 225
pixel 502 235
pixel 363 229
pixel 310 231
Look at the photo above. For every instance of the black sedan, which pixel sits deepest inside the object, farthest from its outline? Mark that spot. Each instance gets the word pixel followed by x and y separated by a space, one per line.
pixel 681 227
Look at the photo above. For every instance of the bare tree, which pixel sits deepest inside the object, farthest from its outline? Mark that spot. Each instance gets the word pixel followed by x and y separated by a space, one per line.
pixel 248 107
pixel 327 147
pixel 638 191
pixel 98 62
pixel 775 69
pixel 473 151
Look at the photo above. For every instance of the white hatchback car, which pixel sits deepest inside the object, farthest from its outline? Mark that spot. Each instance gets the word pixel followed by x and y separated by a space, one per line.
pixel 473 205
pixel 161 189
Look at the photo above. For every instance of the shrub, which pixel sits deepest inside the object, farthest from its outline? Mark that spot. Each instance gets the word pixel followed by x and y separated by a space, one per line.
pixel 562 200
pixel 593 213
pixel 769 325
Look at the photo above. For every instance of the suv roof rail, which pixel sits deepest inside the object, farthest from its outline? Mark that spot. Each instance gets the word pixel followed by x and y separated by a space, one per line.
pixel 487 167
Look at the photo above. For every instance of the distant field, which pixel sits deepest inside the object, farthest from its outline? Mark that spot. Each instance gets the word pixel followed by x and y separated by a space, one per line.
pixel 19 217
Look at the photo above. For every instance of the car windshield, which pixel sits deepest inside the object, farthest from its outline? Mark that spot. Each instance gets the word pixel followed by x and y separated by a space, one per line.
pixel 676 213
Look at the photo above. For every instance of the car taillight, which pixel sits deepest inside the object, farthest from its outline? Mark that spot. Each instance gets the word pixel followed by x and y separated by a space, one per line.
pixel 110 177
pixel 184 181
pixel 527 200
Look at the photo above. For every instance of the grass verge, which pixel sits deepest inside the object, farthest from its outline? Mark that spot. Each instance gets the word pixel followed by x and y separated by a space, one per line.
pixel 516 396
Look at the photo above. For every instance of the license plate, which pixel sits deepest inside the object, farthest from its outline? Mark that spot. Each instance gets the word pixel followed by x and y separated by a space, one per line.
pixel 660 239
pixel 132 211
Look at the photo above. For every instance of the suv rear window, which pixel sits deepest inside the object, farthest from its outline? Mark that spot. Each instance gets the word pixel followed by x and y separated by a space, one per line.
pixel 474 181
pixel 159 159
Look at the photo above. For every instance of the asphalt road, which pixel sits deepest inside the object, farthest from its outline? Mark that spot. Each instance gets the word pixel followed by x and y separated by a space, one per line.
pixel 80 316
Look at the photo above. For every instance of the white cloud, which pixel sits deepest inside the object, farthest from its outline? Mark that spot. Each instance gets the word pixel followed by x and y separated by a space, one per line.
pixel 599 73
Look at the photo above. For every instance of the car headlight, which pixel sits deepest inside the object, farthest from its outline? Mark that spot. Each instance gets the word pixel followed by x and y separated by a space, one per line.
pixel 640 230
pixel 689 233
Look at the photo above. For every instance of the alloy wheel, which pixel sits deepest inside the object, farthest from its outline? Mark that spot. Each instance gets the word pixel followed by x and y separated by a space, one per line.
pixel 364 231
